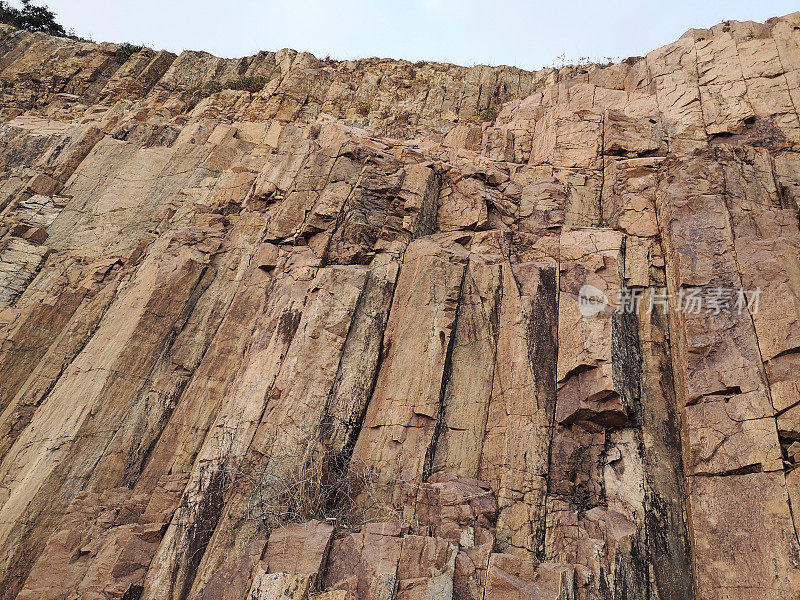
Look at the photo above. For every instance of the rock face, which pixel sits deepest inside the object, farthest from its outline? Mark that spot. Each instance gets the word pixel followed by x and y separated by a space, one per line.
pixel 280 327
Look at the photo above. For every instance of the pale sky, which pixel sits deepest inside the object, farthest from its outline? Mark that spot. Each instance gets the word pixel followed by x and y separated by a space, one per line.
pixel 530 35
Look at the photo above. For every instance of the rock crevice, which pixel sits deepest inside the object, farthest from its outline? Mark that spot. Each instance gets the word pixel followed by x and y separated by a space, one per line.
pixel 281 327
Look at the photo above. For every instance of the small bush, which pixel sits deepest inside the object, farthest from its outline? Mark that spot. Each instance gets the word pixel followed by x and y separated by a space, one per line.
pixel 125 51
pixel 248 84
pixel 344 498
pixel 489 114
pixel 212 87
pixel 363 108
pixel 322 484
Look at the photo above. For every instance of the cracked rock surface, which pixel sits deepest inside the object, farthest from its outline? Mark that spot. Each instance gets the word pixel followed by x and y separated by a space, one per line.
pixel 278 327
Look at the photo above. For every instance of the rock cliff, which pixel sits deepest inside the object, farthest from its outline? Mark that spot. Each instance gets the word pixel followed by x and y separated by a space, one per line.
pixel 280 327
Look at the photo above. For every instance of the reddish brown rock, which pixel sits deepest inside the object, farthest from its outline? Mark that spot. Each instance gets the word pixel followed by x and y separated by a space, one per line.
pixel 514 578
pixel 105 544
pixel 300 549
pixel 725 511
pixel 235 577
pixel 368 329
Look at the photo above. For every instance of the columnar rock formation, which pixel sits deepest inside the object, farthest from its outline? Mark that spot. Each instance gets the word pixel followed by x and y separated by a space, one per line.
pixel 282 327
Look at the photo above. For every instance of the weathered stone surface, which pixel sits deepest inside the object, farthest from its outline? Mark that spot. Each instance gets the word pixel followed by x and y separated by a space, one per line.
pixel 516 579
pixel 329 337
pixel 723 514
pixel 105 544
pixel 300 548
pixel 234 579
pixel 365 563
pixel 401 419
pixel 275 586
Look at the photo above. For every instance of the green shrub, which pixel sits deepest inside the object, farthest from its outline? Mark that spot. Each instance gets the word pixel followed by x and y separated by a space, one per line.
pixel 489 114
pixel 248 84
pixel 125 51
pixel 213 87
pixel 31 18
pixel 363 108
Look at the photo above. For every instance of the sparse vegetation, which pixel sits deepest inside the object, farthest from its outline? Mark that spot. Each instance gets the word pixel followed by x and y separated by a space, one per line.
pixel 327 490
pixel 31 18
pixel 726 26
pixel 489 113
pixel 125 51
pixel 247 84
pixel 561 61
pixel 363 108
pixel 318 484
pixel 213 87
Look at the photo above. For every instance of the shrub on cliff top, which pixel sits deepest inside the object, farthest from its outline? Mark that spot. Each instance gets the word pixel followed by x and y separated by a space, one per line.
pixel 125 51
pixel 31 18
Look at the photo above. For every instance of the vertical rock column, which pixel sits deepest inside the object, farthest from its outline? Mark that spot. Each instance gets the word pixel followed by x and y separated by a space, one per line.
pixel 743 538
pixel 398 439
pixel 518 427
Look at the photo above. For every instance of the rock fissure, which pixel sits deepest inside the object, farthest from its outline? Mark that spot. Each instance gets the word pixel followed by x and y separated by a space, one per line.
pixel 281 327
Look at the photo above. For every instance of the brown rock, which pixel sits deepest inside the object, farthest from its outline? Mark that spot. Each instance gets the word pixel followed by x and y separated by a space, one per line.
pixel 335 313
pixel 300 549
pixel 725 511
pixel 235 577
pixel 517 579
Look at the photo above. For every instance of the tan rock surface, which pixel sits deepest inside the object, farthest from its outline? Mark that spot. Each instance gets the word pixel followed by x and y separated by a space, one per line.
pixel 328 338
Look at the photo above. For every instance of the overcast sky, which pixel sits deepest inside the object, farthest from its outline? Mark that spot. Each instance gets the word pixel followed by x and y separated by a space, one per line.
pixel 530 34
